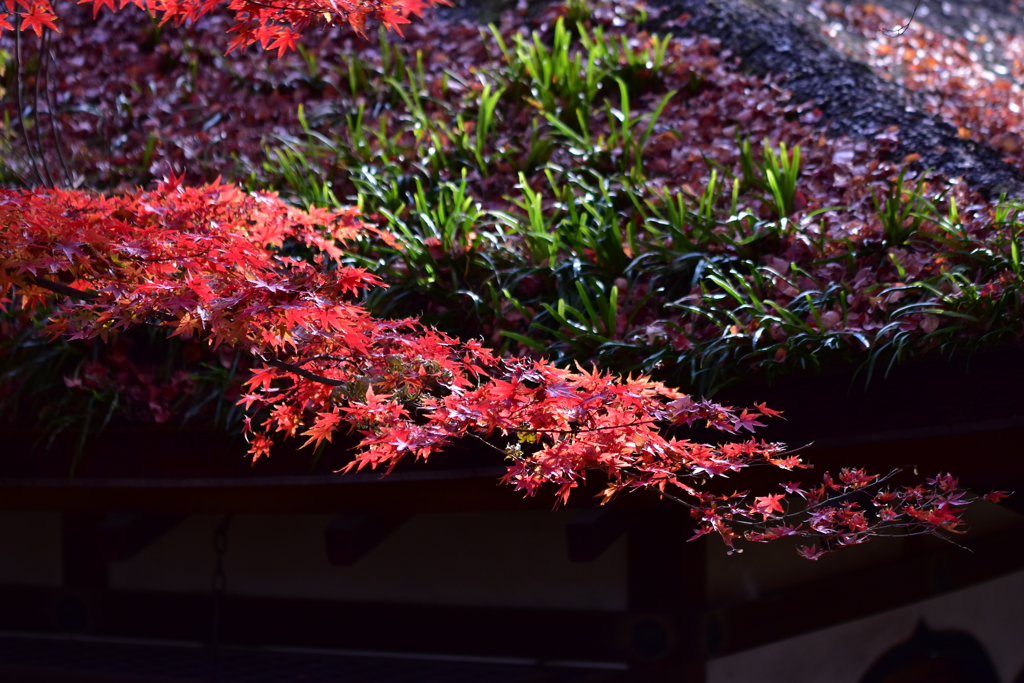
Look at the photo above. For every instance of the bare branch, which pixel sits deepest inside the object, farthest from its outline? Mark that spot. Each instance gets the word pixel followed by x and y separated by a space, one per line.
pixel 21 104
pixel 301 372
pixel 64 290
pixel 900 30
pixel 48 64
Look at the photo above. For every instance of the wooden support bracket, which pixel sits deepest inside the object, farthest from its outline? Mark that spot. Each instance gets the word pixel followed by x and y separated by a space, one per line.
pixel 349 537
pixel 123 535
pixel 591 531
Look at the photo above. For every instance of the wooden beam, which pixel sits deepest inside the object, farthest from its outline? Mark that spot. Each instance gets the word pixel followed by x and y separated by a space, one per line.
pixel 405 492
pixel 927 413
pixel 921 399
pixel 910 578
pixel 543 634
pixel 591 531
pixel 350 537
pixel 427 488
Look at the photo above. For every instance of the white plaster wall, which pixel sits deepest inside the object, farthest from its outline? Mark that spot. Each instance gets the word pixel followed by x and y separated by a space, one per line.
pixel 764 567
pixel 993 612
pixel 500 559
pixel 30 548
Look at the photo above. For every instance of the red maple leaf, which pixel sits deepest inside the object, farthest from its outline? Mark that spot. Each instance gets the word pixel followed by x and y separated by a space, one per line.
pixel 97 5
pixel 323 429
pixel 794 487
pixel 855 479
pixel 39 17
pixel 284 41
pixel 810 552
pixel 768 412
pixel 941 516
pixel 746 420
pixel 766 506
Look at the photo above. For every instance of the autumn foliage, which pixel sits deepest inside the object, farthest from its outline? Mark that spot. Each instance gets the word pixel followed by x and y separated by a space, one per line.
pixel 247 271
pixel 274 26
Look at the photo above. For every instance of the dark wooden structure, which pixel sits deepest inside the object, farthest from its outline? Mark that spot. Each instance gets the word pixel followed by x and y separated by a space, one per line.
pixel 134 488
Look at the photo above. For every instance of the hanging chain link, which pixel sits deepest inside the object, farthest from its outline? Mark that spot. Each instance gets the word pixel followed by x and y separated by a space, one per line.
pixel 219 581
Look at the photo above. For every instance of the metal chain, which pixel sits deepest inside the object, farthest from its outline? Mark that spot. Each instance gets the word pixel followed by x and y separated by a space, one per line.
pixel 219 581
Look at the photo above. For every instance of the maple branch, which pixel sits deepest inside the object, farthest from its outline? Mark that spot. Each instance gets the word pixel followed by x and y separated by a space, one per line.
pixel 61 288
pixel 176 257
pixel 927 532
pixel 35 113
pixel 421 375
pixel 344 15
pixel 47 63
pixel 72 293
pixel 489 444
pixel 337 359
pixel 530 430
pixel 877 482
pixel 790 451
pixel 677 499
pixel 18 94
pixel 302 372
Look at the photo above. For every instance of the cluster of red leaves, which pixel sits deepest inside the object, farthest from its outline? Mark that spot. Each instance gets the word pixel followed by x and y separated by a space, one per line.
pixel 272 26
pixel 844 512
pixel 212 242
pixel 207 264
pixel 132 101
pixel 716 104
pixel 198 111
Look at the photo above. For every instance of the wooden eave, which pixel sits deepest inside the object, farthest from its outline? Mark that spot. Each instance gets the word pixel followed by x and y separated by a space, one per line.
pixel 964 416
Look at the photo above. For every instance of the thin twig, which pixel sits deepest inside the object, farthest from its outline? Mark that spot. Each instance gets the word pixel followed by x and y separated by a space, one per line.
pixel 488 443
pixel 900 30
pixel 290 9
pixel 35 111
pixel 337 359
pixel 49 110
pixel 18 94
pixel 677 499
pixel 587 430
pixel 312 376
